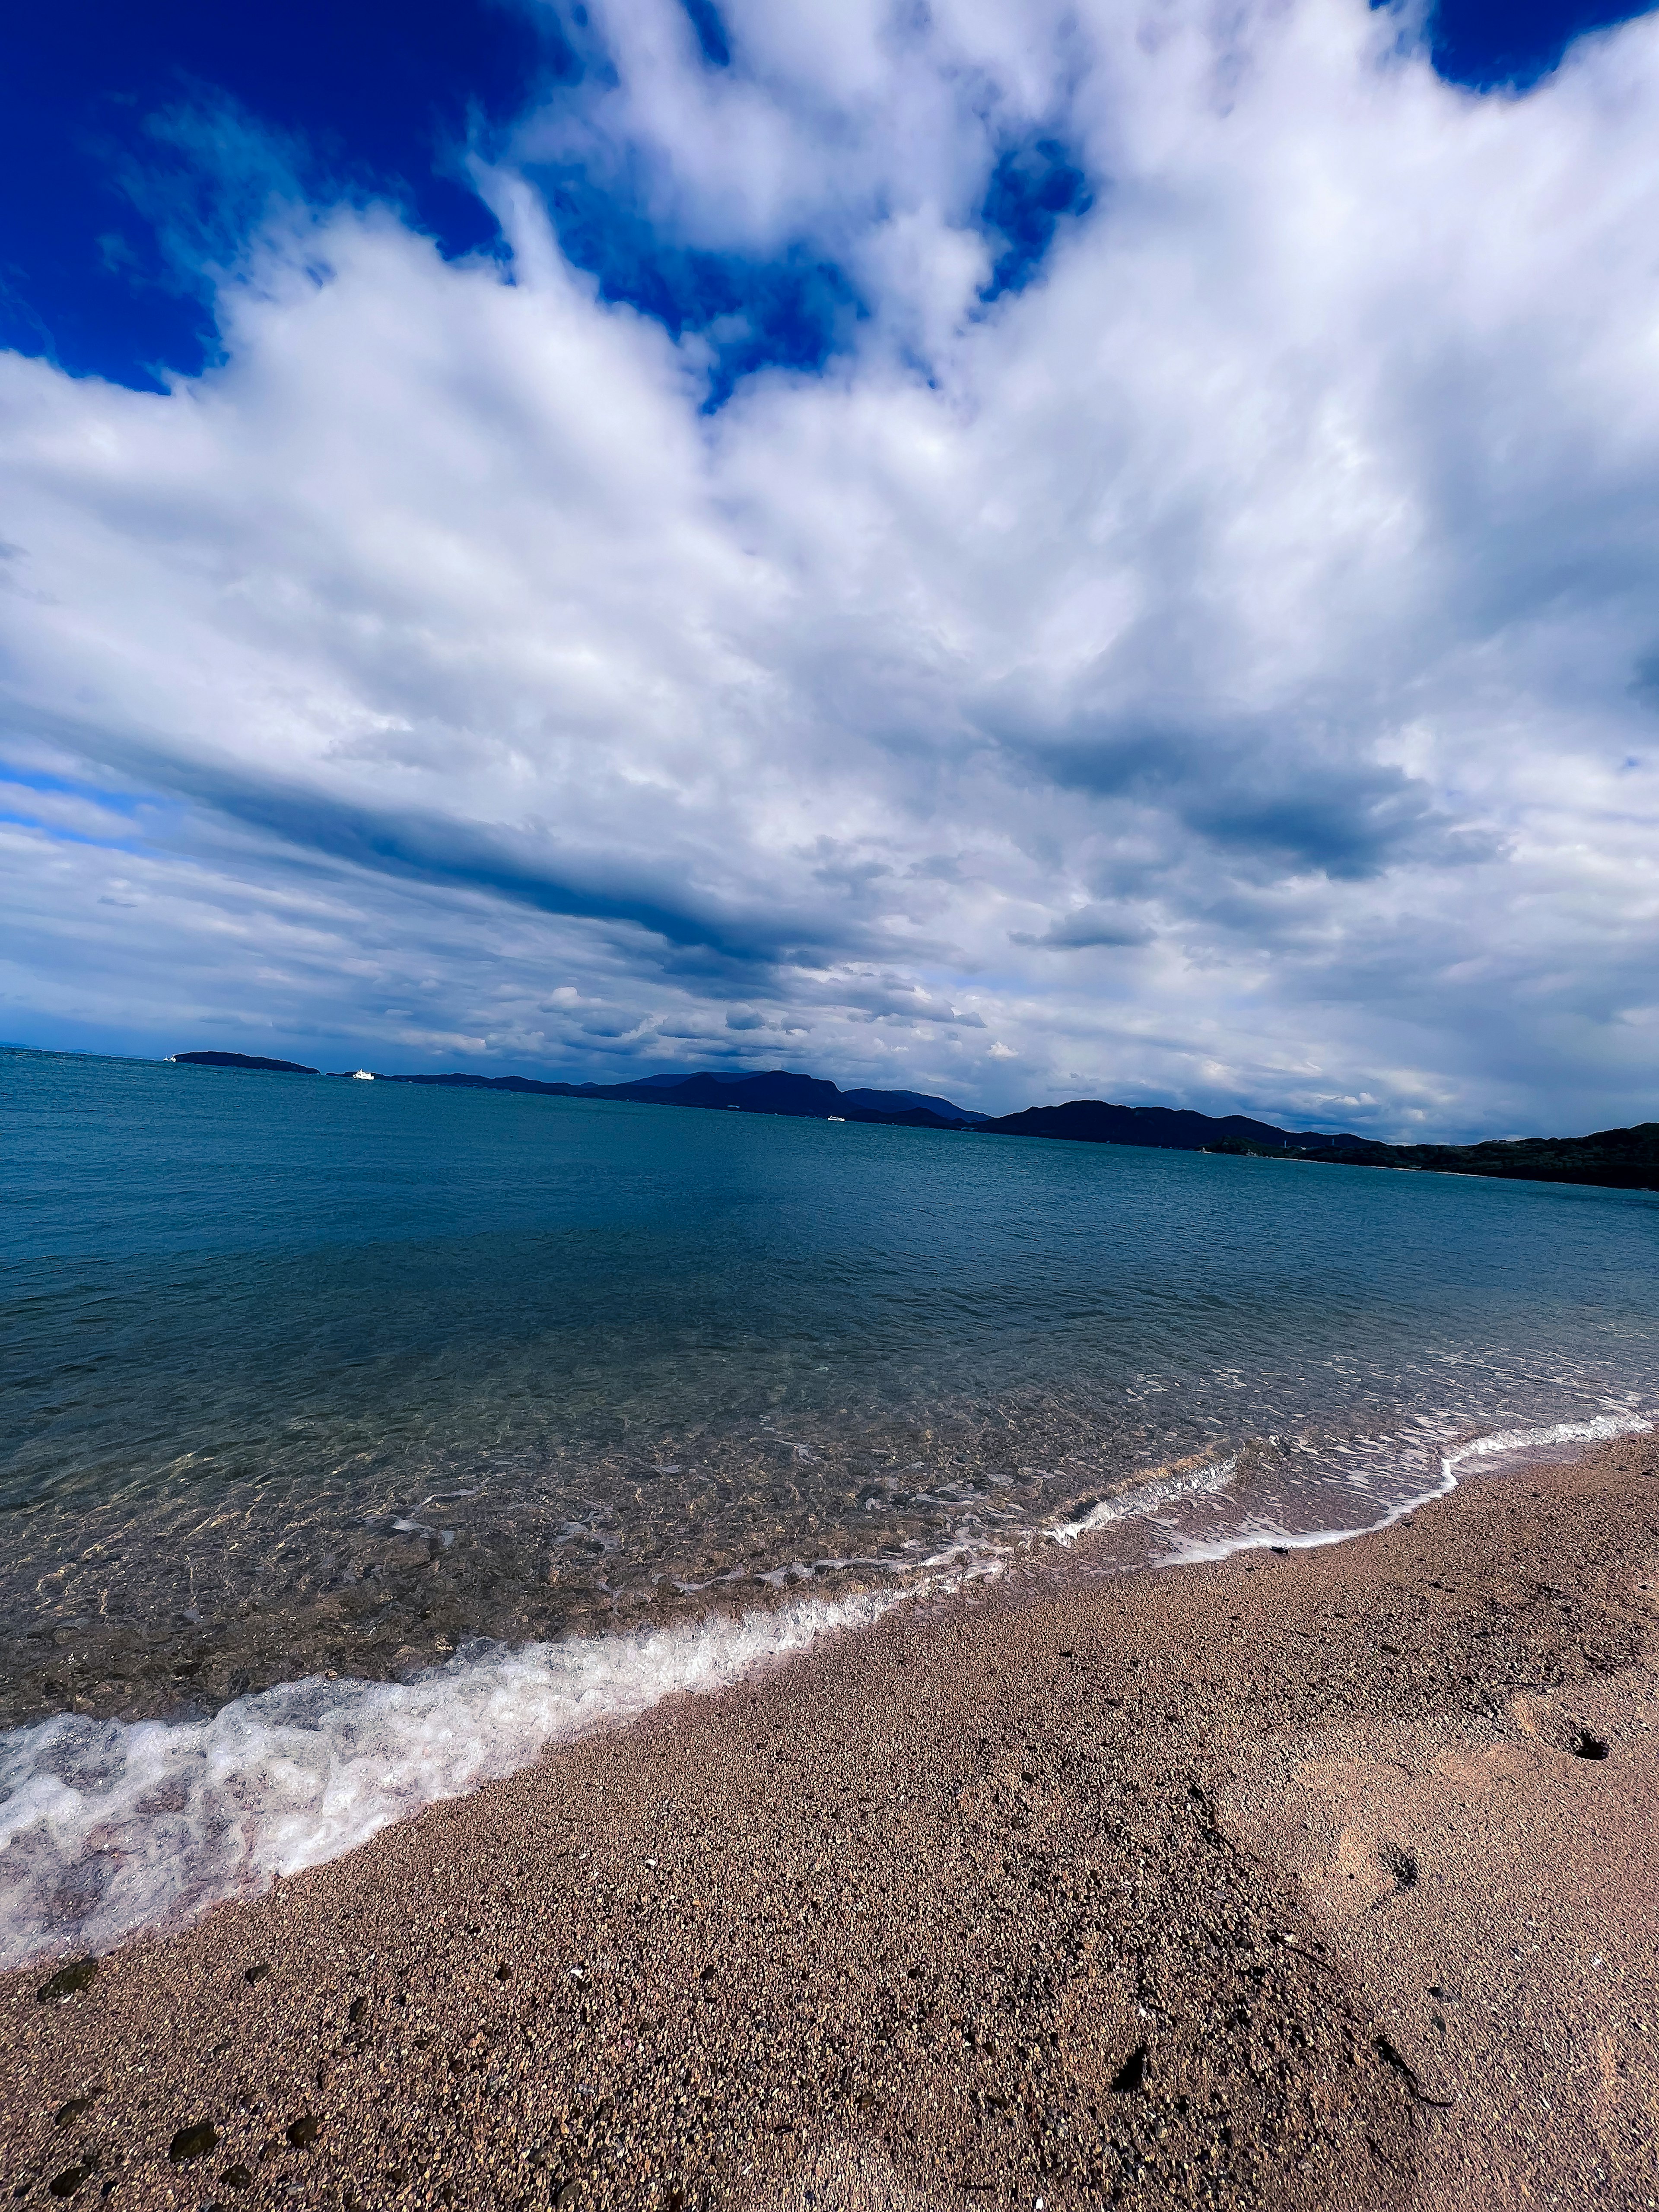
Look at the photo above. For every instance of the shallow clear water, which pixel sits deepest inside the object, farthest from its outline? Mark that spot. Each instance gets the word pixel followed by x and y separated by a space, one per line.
pixel 305 1374
pixel 314 1379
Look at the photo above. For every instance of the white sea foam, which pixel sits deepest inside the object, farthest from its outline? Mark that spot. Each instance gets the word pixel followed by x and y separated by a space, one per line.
pixel 1601 1429
pixel 1147 1499
pixel 1252 1534
pixel 109 1827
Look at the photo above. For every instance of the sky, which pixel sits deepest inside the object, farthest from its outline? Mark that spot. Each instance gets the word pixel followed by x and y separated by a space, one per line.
pixel 1020 549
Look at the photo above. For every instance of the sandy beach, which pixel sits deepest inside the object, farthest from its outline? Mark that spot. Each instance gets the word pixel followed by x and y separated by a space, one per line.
pixel 1323 1878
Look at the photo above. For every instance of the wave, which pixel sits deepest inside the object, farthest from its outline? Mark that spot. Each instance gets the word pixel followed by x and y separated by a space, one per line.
pixel 1602 1429
pixel 1252 1534
pixel 1147 1499
pixel 111 1828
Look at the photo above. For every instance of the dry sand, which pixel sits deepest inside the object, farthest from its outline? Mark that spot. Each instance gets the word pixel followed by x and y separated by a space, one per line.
pixel 1281 1882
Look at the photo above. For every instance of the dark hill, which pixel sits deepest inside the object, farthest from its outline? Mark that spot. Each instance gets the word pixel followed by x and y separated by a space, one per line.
pixel 779 1091
pixel 241 1060
pixel 1613 1159
pixel 910 1101
pixel 1167 1129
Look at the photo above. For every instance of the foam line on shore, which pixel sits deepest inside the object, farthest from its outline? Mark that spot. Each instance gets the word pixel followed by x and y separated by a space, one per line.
pixel 1601 1429
pixel 109 1828
pixel 1146 1499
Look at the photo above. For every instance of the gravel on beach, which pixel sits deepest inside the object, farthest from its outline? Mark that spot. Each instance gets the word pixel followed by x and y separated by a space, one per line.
pixel 1313 1878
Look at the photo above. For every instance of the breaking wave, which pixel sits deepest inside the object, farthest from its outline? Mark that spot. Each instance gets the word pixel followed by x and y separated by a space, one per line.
pixel 109 1828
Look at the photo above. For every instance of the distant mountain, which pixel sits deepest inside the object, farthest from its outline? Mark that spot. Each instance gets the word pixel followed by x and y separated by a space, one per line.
pixel 912 1101
pixel 802 1096
pixel 1613 1159
pixel 1167 1128
pixel 241 1060
pixel 1622 1159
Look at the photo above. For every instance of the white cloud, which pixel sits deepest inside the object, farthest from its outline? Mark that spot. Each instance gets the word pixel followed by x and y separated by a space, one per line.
pixel 1220 671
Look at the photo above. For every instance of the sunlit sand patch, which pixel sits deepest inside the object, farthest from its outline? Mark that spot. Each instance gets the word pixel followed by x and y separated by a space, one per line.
pixel 1490 1878
pixel 839 2176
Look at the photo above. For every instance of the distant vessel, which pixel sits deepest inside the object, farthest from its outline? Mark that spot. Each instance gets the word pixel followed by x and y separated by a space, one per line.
pixel 361 1075
pixel 834 1117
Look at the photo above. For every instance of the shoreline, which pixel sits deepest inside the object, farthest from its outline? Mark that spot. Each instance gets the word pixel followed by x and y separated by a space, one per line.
pixel 1127 1889
pixel 112 1830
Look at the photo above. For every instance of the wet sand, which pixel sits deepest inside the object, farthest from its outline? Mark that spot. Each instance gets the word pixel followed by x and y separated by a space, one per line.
pixel 1292 1880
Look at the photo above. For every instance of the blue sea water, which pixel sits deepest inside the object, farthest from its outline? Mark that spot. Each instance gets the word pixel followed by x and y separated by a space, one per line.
pixel 348 1381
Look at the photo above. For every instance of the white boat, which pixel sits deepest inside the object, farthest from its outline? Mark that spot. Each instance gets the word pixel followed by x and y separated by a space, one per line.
pixel 834 1117
pixel 361 1075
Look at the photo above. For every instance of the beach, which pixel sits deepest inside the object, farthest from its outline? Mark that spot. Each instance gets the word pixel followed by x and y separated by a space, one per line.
pixel 1309 1877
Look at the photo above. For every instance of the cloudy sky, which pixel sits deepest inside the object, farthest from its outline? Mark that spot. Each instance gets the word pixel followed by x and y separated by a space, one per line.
pixel 1019 548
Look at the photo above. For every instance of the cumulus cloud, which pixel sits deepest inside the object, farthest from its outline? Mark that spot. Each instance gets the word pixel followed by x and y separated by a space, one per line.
pixel 1209 534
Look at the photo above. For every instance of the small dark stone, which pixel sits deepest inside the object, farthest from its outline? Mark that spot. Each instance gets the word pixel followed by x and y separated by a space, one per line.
pixel 1131 2075
pixel 257 1974
pixel 66 2115
pixel 358 2007
pixel 304 2131
pixel 568 2194
pixel 1279 1551
pixel 77 1975
pixel 193 2142
pixel 1589 1746
pixel 504 1972
pixel 237 2177
pixel 66 2183
pixel 1402 1865
pixel 396 2175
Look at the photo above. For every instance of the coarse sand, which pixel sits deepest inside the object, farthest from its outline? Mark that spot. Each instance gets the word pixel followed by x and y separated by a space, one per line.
pixel 1322 1879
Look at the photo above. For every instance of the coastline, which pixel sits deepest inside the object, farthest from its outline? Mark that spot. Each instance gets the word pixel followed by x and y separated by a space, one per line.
pixel 1134 1889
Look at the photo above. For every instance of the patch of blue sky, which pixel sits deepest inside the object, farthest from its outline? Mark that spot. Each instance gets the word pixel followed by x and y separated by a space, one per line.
pixel 101 210
pixel 794 311
pixel 711 33
pixel 383 99
pixel 124 802
pixel 67 817
pixel 1033 189
pixel 1489 45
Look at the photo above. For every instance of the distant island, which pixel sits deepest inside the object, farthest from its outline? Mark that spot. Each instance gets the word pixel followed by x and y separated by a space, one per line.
pixel 242 1060
pixel 1618 1159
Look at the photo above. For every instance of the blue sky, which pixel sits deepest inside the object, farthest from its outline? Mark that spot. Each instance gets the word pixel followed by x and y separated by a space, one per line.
pixel 108 151
pixel 1102 549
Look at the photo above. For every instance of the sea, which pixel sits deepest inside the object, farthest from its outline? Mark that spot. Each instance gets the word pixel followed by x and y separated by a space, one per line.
pixel 362 1441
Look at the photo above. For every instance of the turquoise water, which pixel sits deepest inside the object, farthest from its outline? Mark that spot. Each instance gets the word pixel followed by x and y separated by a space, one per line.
pixel 305 1375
